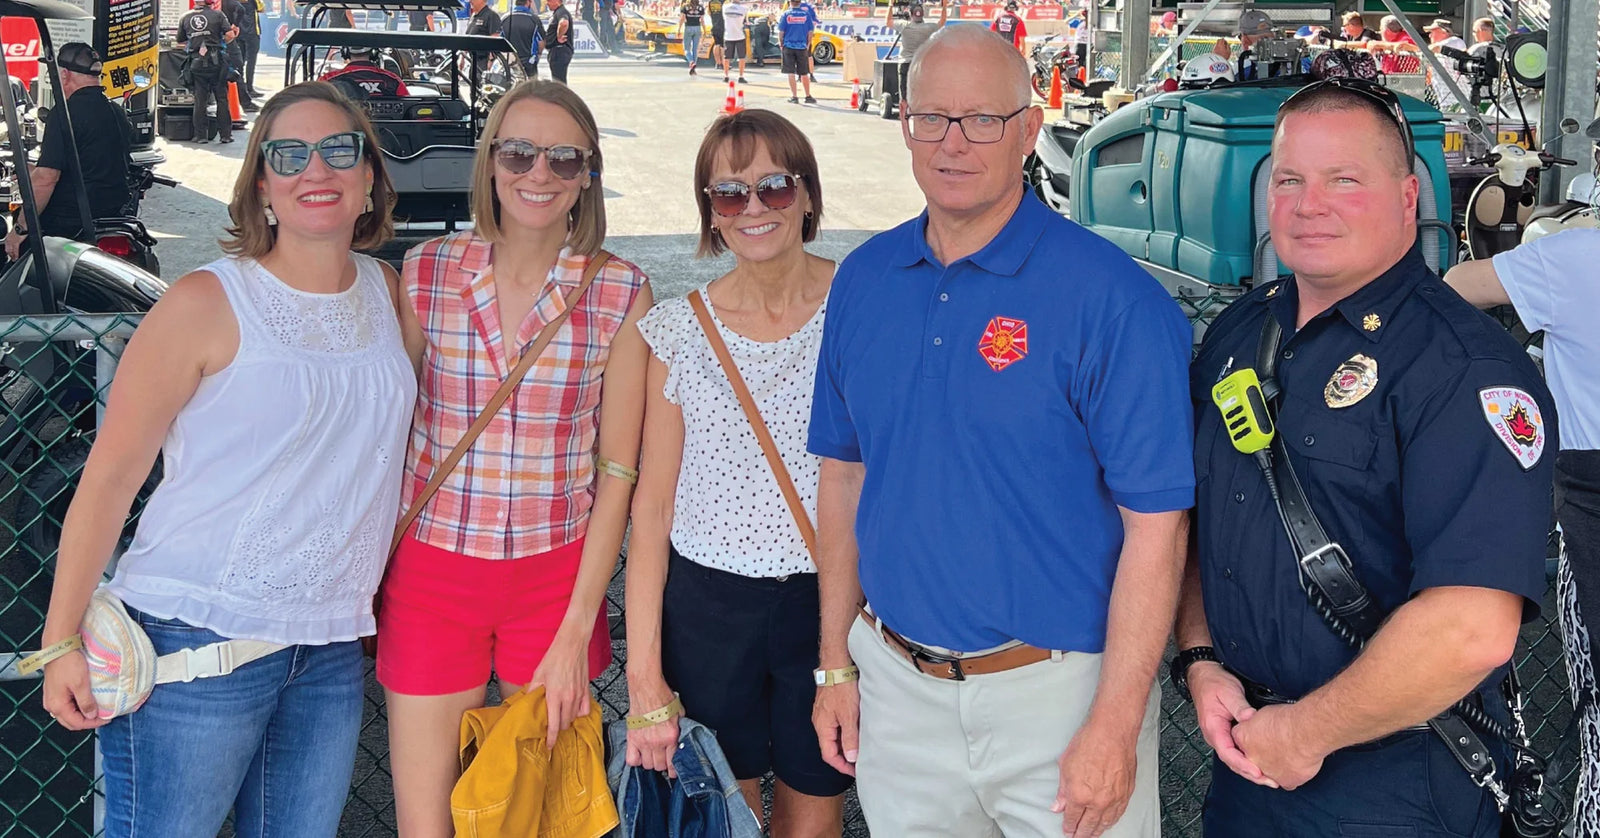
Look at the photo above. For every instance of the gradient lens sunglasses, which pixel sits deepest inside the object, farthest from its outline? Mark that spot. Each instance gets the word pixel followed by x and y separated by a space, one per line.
pixel 1373 91
pixel 291 157
pixel 776 192
pixel 518 156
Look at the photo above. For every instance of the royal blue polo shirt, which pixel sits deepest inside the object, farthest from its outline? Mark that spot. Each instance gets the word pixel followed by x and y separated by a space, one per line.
pixel 1424 439
pixel 1004 406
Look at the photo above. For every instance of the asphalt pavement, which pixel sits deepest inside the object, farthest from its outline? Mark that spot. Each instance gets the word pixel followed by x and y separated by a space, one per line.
pixel 652 116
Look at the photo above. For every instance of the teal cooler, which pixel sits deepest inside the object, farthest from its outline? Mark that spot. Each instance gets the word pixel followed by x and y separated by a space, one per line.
pixel 1170 179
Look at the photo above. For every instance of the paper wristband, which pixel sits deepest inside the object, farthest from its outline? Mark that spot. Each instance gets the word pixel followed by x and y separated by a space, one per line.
pixel 617 470
pixel 31 663
pixel 655 717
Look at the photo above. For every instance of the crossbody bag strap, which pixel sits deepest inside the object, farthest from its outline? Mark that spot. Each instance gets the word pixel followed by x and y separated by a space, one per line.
pixel 808 533
pixel 496 401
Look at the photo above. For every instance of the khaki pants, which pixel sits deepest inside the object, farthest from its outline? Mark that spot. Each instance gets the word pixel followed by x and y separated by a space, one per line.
pixel 977 758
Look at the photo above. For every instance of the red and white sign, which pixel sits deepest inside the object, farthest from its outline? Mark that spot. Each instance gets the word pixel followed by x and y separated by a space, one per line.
pixel 22 47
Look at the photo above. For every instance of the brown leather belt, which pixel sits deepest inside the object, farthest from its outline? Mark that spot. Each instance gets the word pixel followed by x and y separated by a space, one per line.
pixel 950 668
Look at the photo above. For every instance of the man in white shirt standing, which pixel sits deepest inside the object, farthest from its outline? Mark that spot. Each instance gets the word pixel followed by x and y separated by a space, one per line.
pixel 734 43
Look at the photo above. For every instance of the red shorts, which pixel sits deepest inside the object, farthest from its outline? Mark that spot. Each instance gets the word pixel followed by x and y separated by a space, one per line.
pixel 448 619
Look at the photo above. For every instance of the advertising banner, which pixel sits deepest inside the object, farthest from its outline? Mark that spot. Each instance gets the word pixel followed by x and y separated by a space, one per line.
pixel 125 36
pixel 122 31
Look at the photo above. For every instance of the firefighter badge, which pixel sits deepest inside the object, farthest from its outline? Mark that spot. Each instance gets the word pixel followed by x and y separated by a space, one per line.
pixel 1516 421
pixel 1351 382
pixel 1004 342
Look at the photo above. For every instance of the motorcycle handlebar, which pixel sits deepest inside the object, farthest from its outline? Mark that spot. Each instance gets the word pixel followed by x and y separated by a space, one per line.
pixel 1552 160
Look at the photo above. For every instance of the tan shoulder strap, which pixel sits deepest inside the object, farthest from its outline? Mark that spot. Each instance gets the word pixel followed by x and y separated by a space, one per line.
pixel 496 401
pixel 808 533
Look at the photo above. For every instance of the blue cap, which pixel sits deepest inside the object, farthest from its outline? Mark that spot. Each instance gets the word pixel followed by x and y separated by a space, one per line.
pixel 1303 32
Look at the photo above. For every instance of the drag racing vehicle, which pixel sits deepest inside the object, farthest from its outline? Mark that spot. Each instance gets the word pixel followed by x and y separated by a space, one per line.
pixel 652 33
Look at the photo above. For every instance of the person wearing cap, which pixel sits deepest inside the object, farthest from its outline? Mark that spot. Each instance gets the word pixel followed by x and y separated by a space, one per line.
pixel 1440 36
pixel 103 135
pixel 916 30
pixel 1010 26
pixel 363 71
pixel 205 31
pixel 1254 26
pixel 1312 34
pixel 1165 26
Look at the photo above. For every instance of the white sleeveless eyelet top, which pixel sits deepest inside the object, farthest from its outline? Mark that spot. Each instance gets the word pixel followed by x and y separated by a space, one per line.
pixel 281 482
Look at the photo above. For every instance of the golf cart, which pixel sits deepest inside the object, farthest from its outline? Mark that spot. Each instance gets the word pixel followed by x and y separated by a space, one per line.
pixel 428 135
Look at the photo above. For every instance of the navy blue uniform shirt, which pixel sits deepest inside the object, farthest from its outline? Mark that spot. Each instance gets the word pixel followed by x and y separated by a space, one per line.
pixel 1440 475
pixel 1004 406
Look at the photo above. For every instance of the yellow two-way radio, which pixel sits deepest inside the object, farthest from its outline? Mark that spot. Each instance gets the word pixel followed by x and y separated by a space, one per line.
pixel 1244 411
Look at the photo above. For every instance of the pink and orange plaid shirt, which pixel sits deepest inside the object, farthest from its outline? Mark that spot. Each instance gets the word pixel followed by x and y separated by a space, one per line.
pixel 526 485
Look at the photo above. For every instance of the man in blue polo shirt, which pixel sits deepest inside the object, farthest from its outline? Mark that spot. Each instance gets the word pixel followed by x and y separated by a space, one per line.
pixel 1001 408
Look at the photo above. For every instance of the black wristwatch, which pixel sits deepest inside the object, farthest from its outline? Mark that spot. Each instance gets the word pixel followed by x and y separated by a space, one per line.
pixel 1178 670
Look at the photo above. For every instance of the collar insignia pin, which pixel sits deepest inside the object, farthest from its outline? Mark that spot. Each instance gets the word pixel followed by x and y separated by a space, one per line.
pixel 1351 382
pixel 1372 322
pixel 1272 292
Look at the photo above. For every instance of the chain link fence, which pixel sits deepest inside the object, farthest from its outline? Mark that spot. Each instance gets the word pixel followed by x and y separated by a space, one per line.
pixel 55 374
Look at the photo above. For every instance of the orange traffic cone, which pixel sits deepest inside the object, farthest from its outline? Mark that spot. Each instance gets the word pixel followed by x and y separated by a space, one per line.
pixel 233 102
pixel 730 104
pixel 739 105
pixel 1055 88
pixel 855 94
pixel 1083 75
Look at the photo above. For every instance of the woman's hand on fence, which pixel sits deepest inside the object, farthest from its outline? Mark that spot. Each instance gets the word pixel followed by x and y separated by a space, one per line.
pixel 651 747
pixel 564 674
pixel 68 696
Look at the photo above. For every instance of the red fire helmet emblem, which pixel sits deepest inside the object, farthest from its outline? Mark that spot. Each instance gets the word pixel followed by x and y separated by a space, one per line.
pixel 1004 342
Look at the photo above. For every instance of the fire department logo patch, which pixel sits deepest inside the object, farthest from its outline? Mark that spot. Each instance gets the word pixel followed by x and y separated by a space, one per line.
pixel 1516 421
pixel 1004 342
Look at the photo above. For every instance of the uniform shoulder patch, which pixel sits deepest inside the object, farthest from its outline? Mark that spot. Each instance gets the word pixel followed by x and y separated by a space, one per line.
pixel 1516 420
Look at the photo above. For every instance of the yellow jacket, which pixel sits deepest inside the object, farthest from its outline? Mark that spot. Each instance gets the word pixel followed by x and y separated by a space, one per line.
pixel 505 790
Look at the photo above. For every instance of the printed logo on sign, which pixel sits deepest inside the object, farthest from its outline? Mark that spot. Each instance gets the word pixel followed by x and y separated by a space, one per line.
pixel 1515 418
pixel 283 34
pixel 1004 342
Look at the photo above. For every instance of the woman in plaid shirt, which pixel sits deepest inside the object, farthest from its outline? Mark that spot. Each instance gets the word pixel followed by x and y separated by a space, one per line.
pixel 507 566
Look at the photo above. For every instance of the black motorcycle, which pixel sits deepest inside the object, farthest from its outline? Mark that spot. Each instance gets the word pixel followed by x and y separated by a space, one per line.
pixel 1047 56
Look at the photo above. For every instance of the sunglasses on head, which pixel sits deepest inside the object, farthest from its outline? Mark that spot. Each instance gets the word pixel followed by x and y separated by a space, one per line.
pixel 518 156
pixel 291 157
pixel 776 192
pixel 1372 91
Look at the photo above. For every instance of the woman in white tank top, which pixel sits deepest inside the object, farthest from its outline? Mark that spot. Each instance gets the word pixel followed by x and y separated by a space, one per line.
pixel 278 387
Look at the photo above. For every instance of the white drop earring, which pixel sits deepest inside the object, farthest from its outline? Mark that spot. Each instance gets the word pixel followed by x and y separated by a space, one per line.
pixel 272 217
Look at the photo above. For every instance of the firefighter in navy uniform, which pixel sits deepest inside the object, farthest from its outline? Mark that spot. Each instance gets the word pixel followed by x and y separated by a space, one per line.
pixel 1423 439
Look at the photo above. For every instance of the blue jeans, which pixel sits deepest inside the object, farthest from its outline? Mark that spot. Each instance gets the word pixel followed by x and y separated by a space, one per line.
pixel 274 741
pixel 691 44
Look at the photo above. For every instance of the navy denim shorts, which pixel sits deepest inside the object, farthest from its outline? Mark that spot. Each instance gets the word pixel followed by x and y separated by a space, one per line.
pixel 740 652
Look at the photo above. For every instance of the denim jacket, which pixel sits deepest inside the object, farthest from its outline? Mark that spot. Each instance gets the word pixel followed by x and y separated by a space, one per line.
pixel 703 802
